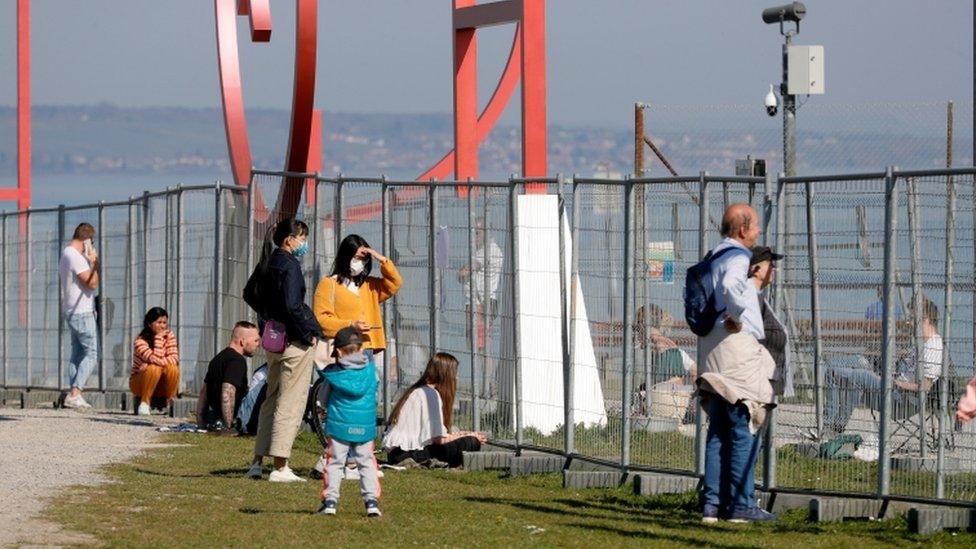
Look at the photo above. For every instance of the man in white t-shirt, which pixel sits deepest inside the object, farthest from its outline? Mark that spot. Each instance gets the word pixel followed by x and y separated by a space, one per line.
pixel 78 270
pixel 847 386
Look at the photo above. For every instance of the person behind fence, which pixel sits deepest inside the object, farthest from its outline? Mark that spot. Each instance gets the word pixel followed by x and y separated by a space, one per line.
pixel 155 377
pixel 849 385
pixel 482 275
pixel 668 365
pixel 966 408
pixel 733 382
pixel 78 269
pixel 276 292
pixel 418 431
pixel 350 423
pixel 762 268
pixel 225 383
pixel 350 297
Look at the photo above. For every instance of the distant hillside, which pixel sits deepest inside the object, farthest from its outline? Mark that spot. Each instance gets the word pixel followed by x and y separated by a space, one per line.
pixel 104 139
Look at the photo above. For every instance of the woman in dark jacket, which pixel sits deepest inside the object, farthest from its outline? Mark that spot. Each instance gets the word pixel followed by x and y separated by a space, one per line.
pixel 276 291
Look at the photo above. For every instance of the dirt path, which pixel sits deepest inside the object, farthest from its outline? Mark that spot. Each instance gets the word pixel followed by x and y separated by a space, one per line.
pixel 43 451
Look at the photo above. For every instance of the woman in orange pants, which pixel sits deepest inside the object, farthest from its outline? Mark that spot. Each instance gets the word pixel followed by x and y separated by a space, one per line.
pixel 155 361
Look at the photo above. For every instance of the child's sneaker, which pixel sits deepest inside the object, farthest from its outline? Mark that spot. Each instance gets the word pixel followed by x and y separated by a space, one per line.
pixel 329 507
pixel 372 508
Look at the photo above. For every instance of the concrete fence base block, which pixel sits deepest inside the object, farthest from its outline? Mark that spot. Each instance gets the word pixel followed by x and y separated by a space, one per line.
pixel 593 479
pixel 928 464
pixel 777 502
pixel 652 484
pixel 106 401
pixel 488 461
pixel 40 398
pixel 831 509
pixel 183 407
pixel 528 465
pixel 930 520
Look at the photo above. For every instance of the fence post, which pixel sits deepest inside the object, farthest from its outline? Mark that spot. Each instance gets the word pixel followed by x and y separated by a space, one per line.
pixel 433 274
pixel 769 447
pixel 101 320
pixel 570 443
pixel 316 229
pixel 3 294
pixel 485 302
pixel 61 317
pixel 888 331
pixel 218 271
pixel 564 310
pixel 145 251
pixel 385 237
pixel 628 331
pixel 130 291
pixel 950 231
pixel 516 344
pixel 390 251
pixel 917 307
pixel 818 373
pixel 703 212
pixel 337 214
pixel 26 281
pixel 179 263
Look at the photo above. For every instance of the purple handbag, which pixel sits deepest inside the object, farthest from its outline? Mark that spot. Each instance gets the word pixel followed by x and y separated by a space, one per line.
pixel 274 337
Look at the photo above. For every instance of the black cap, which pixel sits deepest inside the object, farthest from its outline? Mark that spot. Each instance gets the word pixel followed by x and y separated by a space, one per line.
pixel 764 253
pixel 349 335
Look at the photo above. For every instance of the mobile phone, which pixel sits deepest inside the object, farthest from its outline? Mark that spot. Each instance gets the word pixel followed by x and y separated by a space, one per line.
pixel 89 248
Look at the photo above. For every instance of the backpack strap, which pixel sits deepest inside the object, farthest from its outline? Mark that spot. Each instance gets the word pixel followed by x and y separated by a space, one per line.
pixel 712 257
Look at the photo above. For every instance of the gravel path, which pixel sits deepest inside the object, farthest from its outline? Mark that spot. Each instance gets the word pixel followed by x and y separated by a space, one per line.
pixel 43 451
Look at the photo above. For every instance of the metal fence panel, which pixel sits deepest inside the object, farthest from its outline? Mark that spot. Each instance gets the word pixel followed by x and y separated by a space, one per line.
pixel 191 250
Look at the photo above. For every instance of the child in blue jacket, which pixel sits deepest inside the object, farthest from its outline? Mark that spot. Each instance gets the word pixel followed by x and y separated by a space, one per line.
pixel 350 424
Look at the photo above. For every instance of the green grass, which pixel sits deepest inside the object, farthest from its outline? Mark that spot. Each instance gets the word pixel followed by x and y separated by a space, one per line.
pixel 193 494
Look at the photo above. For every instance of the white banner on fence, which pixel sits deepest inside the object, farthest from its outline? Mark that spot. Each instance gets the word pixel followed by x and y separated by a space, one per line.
pixel 540 333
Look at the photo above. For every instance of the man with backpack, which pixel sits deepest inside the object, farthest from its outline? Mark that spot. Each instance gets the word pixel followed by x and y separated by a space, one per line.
pixel 722 307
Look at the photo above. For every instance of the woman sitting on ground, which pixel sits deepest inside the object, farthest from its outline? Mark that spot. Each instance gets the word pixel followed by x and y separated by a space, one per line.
pixel 155 362
pixel 420 425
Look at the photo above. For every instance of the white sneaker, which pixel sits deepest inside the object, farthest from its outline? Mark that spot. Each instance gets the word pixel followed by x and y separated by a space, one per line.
pixel 143 409
pixel 254 471
pixel 75 402
pixel 284 474
pixel 352 473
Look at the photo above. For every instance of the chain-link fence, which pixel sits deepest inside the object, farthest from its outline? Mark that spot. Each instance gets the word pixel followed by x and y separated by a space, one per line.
pixel 563 302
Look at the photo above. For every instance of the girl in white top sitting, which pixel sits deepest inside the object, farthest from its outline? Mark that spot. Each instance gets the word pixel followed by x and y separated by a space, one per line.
pixel 420 426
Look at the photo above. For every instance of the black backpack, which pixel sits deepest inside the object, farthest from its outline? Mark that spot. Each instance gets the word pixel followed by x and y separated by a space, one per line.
pixel 700 313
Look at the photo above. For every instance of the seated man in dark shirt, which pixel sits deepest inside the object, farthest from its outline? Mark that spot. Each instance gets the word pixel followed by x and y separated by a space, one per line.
pixel 226 381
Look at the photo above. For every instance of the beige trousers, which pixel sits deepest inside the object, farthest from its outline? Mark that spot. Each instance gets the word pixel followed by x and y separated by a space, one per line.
pixel 289 376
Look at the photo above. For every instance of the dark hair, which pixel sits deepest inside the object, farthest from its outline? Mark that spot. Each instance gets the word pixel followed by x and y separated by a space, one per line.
pixel 152 315
pixel 83 231
pixel 347 250
pixel 276 235
pixel 245 324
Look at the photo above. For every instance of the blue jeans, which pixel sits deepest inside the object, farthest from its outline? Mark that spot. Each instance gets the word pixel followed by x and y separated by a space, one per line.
pixel 731 451
pixel 846 387
pixel 84 347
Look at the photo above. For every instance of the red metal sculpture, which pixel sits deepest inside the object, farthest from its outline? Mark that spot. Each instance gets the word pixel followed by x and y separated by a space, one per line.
pixel 22 192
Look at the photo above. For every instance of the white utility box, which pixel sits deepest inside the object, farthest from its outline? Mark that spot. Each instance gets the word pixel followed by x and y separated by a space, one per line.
pixel 806 70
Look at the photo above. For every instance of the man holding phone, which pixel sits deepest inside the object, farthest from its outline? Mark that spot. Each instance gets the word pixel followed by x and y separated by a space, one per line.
pixel 78 269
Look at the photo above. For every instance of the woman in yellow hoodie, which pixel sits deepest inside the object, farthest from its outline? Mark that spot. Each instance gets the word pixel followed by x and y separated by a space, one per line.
pixel 350 297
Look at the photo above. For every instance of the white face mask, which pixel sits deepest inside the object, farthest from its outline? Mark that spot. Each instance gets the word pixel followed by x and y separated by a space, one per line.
pixel 356 267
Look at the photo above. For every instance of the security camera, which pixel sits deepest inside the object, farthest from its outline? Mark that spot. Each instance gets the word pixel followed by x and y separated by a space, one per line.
pixel 790 12
pixel 770 102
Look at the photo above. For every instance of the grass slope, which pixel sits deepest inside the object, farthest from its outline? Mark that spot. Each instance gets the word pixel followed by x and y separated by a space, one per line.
pixel 193 494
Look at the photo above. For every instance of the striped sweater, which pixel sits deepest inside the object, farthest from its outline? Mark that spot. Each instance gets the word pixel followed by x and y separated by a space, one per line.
pixel 163 352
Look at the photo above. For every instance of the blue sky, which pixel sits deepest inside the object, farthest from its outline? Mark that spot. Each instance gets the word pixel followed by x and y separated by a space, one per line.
pixel 395 56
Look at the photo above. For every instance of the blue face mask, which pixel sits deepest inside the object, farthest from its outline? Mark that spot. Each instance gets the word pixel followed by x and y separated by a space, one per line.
pixel 301 249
